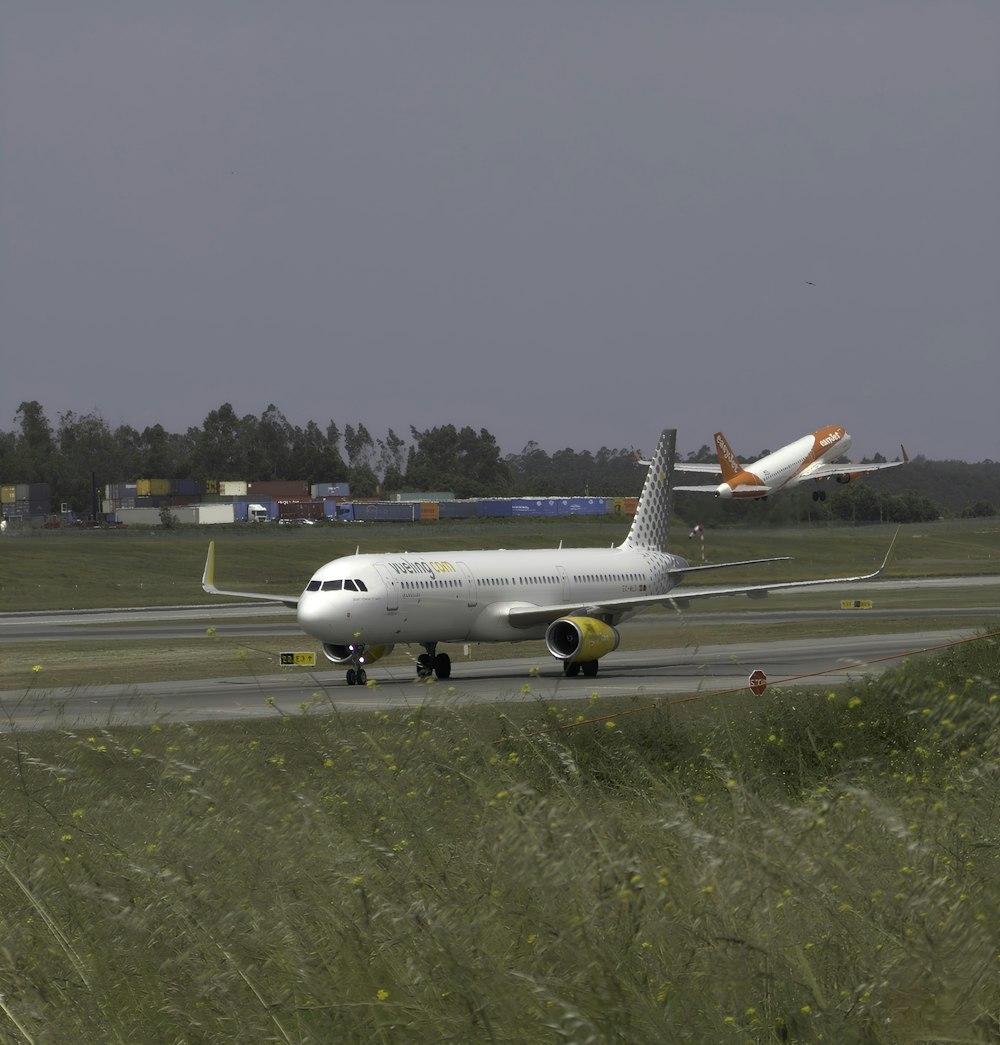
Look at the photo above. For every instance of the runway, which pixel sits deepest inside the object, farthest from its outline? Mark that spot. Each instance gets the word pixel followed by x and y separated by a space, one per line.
pixel 675 674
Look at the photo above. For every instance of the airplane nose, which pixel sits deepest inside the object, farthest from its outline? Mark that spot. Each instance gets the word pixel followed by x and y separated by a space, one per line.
pixel 310 615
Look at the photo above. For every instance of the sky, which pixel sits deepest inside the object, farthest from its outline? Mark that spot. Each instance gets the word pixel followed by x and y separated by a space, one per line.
pixel 567 222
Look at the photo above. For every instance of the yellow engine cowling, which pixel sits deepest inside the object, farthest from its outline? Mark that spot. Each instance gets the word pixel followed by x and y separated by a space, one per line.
pixel 579 639
pixel 359 655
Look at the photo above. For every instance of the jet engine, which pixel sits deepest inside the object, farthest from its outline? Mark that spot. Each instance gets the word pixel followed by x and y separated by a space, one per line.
pixel 846 477
pixel 580 639
pixel 359 654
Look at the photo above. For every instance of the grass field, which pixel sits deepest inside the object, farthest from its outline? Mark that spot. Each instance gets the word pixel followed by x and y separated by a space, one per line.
pixel 818 867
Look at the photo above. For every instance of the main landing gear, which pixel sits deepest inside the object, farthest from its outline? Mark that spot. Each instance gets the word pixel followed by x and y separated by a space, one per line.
pixel 572 668
pixel 357 677
pixel 819 495
pixel 433 663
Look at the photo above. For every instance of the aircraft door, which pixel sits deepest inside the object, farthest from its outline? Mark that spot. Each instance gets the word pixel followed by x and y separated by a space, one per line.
pixel 469 583
pixel 391 586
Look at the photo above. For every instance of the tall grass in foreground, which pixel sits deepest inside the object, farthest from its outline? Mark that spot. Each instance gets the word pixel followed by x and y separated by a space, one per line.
pixel 823 867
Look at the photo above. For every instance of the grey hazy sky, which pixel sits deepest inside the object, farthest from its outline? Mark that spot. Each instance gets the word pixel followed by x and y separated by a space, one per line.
pixel 561 220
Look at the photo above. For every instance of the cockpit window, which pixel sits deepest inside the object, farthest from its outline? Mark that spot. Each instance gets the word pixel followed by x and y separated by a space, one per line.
pixel 349 585
pixel 361 585
pixel 312 586
pixel 332 585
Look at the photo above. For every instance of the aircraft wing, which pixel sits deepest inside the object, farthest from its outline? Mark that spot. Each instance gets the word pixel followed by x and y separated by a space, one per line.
pixel 743 490
pixel 208 584
pixel 824 471
pixel 523 616
pixel 690 466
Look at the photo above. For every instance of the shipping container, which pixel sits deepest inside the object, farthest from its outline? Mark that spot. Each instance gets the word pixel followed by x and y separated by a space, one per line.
pixel 115 491
pixel 212 486
pixel 588 506
pixel 279 489
pixel 533 506
pixel 342 511
pixel 214 514
pixel 310 509
pixel 458 509
pixel 232 488
pixel 330 490
pixel 8 494
pixel 423 495
pixel 385 511
pixel 496 507
pixel 622 505
pixel 187 487
pixel 138 516
pixel 429 511
pixel 152 487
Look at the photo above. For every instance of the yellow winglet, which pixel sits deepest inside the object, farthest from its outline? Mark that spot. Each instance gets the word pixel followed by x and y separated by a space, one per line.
pixel 208 577
pixel 208 584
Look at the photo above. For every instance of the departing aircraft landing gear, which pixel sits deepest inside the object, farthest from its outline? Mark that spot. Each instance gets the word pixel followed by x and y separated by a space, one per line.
pixel 573 668
pixel 357 677
pixel 819 495
pixel 432 663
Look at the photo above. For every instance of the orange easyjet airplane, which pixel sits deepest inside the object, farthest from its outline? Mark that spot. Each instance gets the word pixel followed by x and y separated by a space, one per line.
pixel 807 459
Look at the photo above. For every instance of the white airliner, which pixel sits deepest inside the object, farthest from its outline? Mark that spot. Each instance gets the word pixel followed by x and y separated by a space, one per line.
pixel 807 459
pixel 360 606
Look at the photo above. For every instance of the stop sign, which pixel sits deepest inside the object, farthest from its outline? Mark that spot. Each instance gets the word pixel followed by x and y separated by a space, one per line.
pixel 758 682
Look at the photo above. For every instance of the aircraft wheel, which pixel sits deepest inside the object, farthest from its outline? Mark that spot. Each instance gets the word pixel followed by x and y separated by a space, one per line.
pixel 571 670
pixel 352 677
pixel 362 677
pixel 589 668
pixel 442 666
pixel 425 665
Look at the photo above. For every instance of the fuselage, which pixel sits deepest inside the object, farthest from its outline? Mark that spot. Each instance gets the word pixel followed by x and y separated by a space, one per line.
pixel 466 596
pixel 788 466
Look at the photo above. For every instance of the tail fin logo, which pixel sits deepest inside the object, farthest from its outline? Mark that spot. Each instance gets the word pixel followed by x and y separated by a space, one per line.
pixel 728 461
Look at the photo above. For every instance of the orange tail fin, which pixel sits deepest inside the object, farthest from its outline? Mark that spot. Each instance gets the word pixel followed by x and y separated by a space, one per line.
pixel 729 463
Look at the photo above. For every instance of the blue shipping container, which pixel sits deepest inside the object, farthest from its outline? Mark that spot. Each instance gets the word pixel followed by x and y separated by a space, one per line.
pixel 495 508
pixel 386 511
pixel 458 509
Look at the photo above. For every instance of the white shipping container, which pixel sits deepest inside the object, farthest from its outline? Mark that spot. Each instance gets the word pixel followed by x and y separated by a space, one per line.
pixel 232 488
pixel 138 516
pixel 214 514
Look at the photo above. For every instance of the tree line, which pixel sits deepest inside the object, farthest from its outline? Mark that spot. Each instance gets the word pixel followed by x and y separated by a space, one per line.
pixel 81 450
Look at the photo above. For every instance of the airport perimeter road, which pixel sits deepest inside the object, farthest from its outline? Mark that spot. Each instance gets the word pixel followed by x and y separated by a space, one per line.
pixel 646 674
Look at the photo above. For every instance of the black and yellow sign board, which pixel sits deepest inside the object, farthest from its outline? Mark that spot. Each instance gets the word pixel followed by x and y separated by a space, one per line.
pixel 297 660
pixel 855 604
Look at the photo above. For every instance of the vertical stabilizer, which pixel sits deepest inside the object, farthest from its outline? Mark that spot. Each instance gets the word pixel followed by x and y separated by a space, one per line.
pixel 729 463
pixel 651 524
